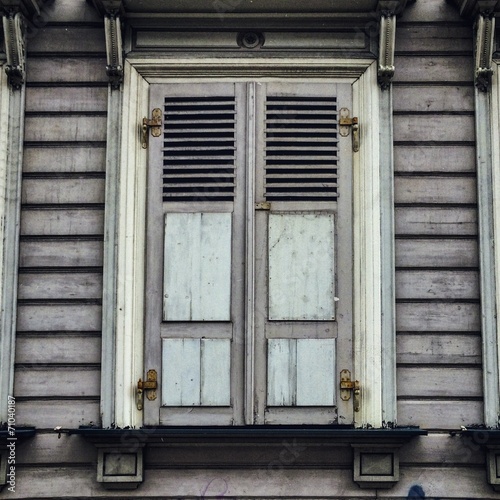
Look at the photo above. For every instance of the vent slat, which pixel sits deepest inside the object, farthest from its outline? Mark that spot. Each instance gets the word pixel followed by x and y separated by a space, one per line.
pixel 301 148
pixel 199 148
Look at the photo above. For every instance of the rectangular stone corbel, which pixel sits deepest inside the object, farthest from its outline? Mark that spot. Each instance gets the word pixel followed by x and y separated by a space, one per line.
pixel 119 467
pixel 376 465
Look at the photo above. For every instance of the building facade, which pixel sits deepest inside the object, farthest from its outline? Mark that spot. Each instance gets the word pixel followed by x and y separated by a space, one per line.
pixel 249 249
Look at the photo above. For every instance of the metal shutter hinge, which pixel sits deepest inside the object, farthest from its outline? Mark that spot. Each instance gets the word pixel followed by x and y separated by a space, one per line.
pixel 346 386
pixel 345 125
pixel 154 124
pixel 150 385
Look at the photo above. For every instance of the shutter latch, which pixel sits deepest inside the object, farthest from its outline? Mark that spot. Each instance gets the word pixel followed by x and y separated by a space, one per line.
pixel 154 124
pixel 345 125
pixel 346 386
pixel 150 385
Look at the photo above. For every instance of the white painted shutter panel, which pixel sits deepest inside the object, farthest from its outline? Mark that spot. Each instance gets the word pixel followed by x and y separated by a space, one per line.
pixel 298 286
pixel 192 191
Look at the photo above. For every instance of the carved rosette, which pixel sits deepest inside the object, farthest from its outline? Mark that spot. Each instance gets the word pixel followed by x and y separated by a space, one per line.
pixel 14 29
pixel 386 49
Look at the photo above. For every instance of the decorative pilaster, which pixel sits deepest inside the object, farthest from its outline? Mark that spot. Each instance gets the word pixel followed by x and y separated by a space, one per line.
pixel 485 34
pixel 15 46
pixel 387 43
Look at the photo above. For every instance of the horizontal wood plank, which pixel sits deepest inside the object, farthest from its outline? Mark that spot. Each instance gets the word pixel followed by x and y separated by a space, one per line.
pixel 56 253
pixel 435 127
pixel 58 317
pixel 47 414
pixel 435 221
pixel 454 190
pixel 433 69
pixel 439 382
pixel 66 69
pixel 439 414
pixel 437 253
pixel 60 286
pixel 51 449
pixel 430 38
pixel 433 98
pixel 437 158
pixel 64 159
pixel 69 39
pixel 418 284
pixel 65 128
pixel 438 349
pixel 55 191
pixel 66 99
pixel 438 317
pixel 56 382
pixel 58 348
pixel 72 222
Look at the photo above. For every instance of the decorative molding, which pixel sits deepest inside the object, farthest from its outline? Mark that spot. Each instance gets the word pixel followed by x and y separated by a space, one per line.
pixel 387 44
pixel 14 29
pixel 485 35
pixel 114 48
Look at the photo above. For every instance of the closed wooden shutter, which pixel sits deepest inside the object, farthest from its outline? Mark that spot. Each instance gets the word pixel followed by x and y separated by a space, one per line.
pixel 248 220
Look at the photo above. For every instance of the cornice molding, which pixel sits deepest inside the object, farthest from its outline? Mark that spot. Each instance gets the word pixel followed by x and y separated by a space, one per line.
pixel 387 42
pixel 485 34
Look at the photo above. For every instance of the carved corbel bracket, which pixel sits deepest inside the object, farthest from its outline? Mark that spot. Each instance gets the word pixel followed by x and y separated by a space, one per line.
pixel 14 29
pixel 114 48
pixel 485 34
pixel 386 48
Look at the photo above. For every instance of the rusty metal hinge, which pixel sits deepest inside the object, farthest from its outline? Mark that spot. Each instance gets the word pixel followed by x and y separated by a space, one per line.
pixel 150 385
pixel 154 124
pixel 345 125
pixel 346 386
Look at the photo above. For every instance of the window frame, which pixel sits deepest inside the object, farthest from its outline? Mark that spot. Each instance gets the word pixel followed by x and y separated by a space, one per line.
pixel 372 220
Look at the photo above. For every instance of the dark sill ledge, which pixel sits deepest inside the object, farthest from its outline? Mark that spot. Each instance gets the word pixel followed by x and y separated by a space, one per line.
pixel 20 434
pixel 337 434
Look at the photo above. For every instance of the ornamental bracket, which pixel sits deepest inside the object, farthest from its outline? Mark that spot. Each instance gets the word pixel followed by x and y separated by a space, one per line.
pixel 386 48
pixel 114 48
pixel 15 47
pixel 485 34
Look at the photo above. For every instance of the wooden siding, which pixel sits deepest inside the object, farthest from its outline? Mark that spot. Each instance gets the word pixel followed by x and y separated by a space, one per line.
pixel 57 376
pixel 439 378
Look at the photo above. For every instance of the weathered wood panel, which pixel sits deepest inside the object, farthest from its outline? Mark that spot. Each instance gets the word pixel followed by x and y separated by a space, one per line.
pixel 433 98
pixel 440 414
pixel 60 253
pixel 430 10
pixel 64 159
pixel 435 190
pixel 50 449
pixel 62 191
pixel 428 37
pixel 439 382
pixel 301 267
pixel 47 414
pixel 66 69
pixel 58 317
pixel 439 284
pixel 66 99
pixel 51 222
pixel 433 69
pixel 72 39
pixel 58 348
pixel 51 381
pixel 69 11
pixel 40 128
pixel 437 253
pixel 197 267
pixel 438 317
pixel 425 348
pixel 215 372
pixel 436 158
pixel 65 285
pixel 435 221
pixel 414 128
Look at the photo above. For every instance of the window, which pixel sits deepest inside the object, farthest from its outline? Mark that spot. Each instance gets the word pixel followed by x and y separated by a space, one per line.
pixel 250 205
